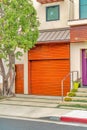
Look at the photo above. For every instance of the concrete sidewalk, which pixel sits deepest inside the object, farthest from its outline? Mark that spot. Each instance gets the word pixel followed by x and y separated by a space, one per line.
pixel 30 112
pixel 25 107
pixel 31 107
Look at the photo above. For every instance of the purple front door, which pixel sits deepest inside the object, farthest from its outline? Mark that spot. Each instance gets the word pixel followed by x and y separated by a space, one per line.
pixel 84 67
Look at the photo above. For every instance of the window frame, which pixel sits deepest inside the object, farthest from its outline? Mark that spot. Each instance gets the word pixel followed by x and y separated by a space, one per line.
pixel 47 20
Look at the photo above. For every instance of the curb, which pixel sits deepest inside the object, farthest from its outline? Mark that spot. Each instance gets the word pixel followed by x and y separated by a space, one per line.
pixel 45 119
pixel 73 119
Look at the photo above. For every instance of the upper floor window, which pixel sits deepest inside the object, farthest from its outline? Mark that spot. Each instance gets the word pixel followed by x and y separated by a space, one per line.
pixel 52 13
pixel 83 9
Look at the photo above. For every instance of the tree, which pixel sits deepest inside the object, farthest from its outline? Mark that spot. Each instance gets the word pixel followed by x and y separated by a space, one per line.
pixel 18 29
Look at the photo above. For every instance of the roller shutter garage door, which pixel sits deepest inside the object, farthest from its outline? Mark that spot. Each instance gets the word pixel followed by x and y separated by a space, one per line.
pixel 48 64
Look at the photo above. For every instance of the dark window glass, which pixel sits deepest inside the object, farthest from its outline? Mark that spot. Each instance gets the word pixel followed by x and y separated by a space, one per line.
pixel 83 9
pixel 52 13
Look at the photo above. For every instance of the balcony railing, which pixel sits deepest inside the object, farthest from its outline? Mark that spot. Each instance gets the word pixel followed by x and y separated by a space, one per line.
pixel 48 1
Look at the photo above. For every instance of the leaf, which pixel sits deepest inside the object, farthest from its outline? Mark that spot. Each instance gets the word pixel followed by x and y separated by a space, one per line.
pixel 16 14
pixel 2 56
pixel 18 54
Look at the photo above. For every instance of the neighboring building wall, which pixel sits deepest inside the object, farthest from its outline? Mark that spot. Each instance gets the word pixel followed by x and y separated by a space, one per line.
pixel 78 33
pixel 64 15
pixel 75 56
pixel 75 19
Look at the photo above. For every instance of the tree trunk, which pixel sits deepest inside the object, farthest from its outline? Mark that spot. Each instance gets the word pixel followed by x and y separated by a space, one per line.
pixel 5 87
pixel 2 69
pixel 12 70
pixel 11 84
pixel 8 81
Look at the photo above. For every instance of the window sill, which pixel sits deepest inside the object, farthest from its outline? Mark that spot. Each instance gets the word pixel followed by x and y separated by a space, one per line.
pixel 77 22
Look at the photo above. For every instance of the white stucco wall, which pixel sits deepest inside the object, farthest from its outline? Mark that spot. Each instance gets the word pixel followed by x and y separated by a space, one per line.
pixel 24 60
pixel 76 9
pixel 26 73
pixel 41 11
pixel 75 56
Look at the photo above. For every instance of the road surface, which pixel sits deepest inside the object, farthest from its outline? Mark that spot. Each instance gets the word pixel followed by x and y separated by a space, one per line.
pixel 17 124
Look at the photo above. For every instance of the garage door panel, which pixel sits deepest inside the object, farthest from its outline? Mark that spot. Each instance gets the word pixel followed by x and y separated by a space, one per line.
pixel 46 76
pixel 48 65
pixel 50 51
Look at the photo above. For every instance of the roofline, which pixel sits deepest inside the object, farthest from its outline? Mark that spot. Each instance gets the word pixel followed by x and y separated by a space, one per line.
pixel 56 29
pixel 59 41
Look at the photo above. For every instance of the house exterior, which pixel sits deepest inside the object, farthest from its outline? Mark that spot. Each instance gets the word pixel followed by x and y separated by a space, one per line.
pixel 60 52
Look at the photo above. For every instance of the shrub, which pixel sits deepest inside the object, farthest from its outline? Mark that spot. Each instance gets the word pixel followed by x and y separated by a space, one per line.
pixel 67 99
pixel 74 90
pixel 71 94
pixel 76 84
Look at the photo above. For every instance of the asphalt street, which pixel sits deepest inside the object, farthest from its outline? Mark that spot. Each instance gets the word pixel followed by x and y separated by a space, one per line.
pixel 17 124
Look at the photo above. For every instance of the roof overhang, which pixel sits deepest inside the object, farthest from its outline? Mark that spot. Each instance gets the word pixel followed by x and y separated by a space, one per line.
pixel 54 36
pixel 48 1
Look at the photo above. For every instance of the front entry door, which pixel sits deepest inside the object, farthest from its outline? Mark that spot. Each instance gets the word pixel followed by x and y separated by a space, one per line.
pixel 84 67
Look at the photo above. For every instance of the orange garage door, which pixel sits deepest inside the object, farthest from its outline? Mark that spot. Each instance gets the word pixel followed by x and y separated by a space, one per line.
pixel 45 74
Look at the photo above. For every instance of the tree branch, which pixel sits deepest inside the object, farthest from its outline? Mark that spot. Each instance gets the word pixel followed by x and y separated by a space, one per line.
pixel 1 73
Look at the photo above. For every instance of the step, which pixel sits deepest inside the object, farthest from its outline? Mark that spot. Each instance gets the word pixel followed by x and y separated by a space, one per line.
pixel 81 94
pixel 72 103
pixel 32 104
pixel 38 100
pixel 72 108
pixel 84 99
pixel 38 97
pixel 82 90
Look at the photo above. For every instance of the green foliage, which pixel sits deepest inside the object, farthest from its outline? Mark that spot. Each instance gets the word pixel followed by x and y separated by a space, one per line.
pixel 67 99
pixel 18 34
pixel 1 55
pixel 18 26
pixel 71 94
pixel 74 90
pixel 18 53
pixel 76 84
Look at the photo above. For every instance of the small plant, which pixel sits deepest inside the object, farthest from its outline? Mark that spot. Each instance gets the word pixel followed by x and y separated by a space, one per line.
pixel 67 99
pixel 77 83
pixel 74 90
pixel 71 94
